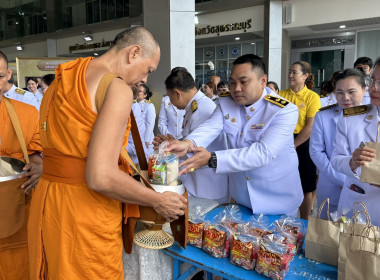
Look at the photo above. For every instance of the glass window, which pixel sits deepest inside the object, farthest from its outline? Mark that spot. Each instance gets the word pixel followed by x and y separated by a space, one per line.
pixel 199 54
pixel 209 53
pixel 248 48
pixel 368 44
pixel 234 50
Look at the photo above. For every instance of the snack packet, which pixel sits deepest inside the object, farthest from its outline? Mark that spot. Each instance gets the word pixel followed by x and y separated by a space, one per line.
pixel 196 229
pixel 256 225
pixel 294 226
pixel 273 260
pixel 230 217
pixel 244 250
pixel 217 240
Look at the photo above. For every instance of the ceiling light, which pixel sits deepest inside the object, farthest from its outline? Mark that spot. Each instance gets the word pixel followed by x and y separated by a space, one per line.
pixel 19 48
pixel 16 22
pixel 88 38
pixel 196 20
pixel 253 43
pixel 342 26
pixel 96 54
pixel 237 38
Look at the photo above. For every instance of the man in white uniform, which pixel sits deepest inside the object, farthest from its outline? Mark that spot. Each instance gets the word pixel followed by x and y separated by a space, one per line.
pixel 170 119
pixel 261 161
pixel 15 93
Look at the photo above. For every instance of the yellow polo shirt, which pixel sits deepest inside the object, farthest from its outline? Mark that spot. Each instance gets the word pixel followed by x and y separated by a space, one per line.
pixel 307 101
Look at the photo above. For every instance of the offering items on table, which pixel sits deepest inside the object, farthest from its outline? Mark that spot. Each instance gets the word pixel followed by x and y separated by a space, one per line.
pixel 244 250
pixel 217 240
pixel 195 233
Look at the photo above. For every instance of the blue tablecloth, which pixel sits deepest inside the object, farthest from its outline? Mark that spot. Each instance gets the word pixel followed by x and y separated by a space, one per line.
pixel 300 268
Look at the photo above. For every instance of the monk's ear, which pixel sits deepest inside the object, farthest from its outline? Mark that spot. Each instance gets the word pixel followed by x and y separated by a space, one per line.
pixel 134 53
pixel 9 74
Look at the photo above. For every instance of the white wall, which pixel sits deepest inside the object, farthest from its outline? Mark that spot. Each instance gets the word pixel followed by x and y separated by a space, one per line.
pixel 311 12
pixel 30 50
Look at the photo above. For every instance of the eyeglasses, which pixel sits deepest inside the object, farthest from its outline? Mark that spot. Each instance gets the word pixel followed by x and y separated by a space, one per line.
pixel 375 83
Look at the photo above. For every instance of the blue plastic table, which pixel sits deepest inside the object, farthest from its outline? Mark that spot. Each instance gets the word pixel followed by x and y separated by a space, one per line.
pixel 300 268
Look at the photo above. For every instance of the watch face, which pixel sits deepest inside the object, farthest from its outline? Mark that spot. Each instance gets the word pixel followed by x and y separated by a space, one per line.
pixel 212 161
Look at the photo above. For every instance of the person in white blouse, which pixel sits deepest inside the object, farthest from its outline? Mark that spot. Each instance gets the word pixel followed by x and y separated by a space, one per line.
pixel 210 91
pixel 349 91
pixel 148 114
pixel 170 119
pixel 357 126
pixel 32 85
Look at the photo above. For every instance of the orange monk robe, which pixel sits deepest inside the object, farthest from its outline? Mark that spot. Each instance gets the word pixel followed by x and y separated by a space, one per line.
pixel 14 257
pixel 74 232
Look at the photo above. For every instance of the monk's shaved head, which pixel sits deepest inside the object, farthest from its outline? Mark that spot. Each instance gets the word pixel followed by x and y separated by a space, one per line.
pixel 136 36
pixel 4 57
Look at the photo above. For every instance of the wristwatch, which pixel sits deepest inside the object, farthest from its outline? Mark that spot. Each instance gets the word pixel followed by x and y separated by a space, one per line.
pixel 212 162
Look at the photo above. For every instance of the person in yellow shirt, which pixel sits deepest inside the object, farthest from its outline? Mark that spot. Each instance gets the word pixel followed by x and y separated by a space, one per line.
pixel 301 82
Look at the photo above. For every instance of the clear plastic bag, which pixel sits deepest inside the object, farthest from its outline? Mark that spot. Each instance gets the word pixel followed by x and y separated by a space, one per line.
pixel 244 250
pixel 163 167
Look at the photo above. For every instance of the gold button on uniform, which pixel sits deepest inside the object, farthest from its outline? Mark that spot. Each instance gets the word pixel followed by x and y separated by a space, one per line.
pixel 252 109
pixel 248 117
pixel 248 178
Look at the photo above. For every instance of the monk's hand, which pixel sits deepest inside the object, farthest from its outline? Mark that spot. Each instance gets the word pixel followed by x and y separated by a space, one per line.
pixel 171 206
pixel 158 139
pixel 360 156
pixel 199 159
pixel 33 173
pixel 180 148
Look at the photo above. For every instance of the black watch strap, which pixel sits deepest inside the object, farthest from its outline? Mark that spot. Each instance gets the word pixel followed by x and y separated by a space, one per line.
pixel 212 162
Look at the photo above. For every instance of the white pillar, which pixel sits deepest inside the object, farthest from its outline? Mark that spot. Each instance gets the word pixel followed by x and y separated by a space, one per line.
pixel 273 39
pixel 52 47
pixel 172 23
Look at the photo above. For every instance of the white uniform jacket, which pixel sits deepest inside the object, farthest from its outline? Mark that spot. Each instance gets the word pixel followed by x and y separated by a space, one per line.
pixel 131 149
pixel 148 114
pixel 366 98
pixel 21 95
pixel 351 131
pixel 215 98
pixel 170 119
pixel 328 100
pixel 204 182
pixel 261 162
pixel 321 146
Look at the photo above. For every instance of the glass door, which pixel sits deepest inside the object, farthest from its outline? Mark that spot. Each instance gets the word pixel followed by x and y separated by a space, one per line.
pixel 323 65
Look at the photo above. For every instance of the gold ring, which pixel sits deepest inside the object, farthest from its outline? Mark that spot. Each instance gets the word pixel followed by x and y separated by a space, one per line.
pixel 192 169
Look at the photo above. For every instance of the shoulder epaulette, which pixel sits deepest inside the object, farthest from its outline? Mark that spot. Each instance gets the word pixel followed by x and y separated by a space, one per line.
pixel 224 94
pixel 148 101
pixel 324 95
pixel 20 91
pixel 134 101
pixel 194 105
pixel 276 100
pixel 353 111
pixel 216 98
pixel 328 107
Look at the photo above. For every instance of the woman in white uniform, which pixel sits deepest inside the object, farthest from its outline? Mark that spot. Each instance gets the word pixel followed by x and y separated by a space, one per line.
pixel 357 126
pixel 32 85
pixel 349 91
pixel 148 114
pixel 182 91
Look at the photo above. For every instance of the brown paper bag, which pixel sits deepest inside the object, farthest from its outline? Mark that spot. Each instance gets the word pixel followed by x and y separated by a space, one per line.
pixel 322 238
pixel 364 264
pixel 350 239
pixel 371 170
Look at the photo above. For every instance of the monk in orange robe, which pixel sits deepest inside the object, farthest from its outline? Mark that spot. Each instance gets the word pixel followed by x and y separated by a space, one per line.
pixel 14 257
pixel 75 218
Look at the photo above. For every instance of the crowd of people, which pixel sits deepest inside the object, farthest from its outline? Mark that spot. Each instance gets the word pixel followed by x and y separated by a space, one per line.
pixel 245 140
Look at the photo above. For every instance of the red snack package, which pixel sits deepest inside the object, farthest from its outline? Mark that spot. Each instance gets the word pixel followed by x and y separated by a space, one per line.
pixel 195 233
pixel 244 251
pixel 273 260
pixel 293 226
pixel 257 225
pixel 217 241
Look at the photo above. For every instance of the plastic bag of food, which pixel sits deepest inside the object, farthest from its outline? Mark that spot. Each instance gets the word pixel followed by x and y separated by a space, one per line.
pixel 244 250
pixel 273 260
pixel 217 240
pixel 196 229
pixel 294 226
pixel 230 217
pixel 163 167
pixel 256 225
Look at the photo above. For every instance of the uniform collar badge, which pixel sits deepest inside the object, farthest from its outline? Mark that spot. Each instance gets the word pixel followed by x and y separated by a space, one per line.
pixel 252 109
pixel 194 105
pixel 233 120
pixel 227 116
